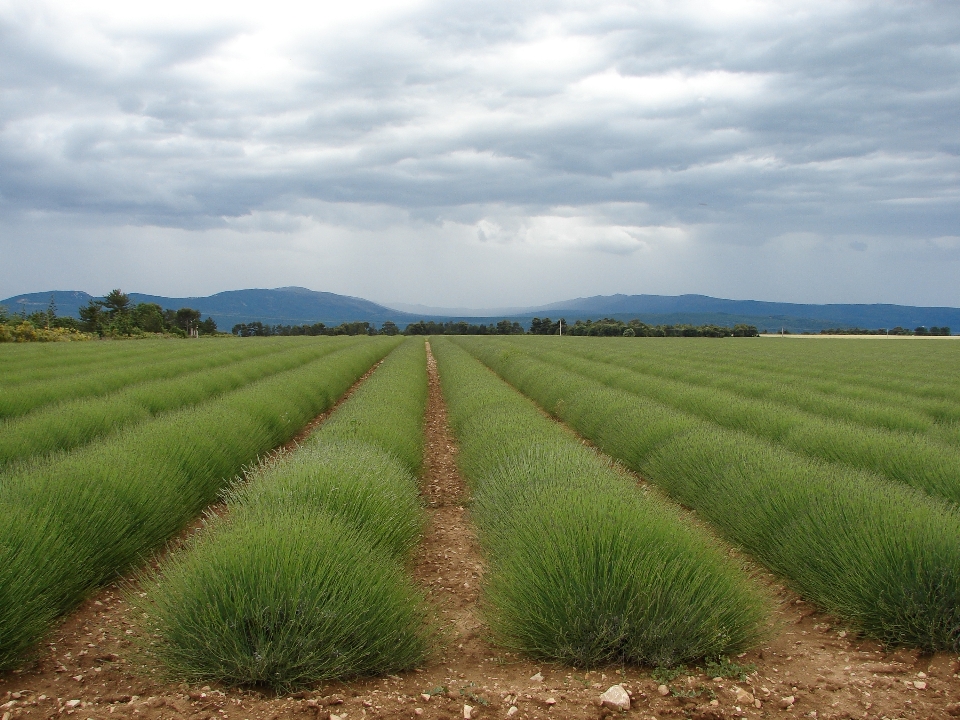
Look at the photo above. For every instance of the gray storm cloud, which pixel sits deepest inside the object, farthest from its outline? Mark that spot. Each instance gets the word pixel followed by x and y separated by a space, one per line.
pixel 484 153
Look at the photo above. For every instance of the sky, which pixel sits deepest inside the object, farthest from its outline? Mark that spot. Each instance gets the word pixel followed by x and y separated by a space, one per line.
pixel 483 154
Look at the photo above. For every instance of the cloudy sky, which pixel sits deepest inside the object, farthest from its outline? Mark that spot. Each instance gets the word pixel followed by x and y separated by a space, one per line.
pixel 483 153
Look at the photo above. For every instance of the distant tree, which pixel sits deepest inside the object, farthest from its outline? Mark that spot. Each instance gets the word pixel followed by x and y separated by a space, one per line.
pixel 208 327
pixel 417 328
pixel 629 332
pixel 149 317
pixel 540 326
pixel 254 329
pixel 52 312
pixel 187 319
pixel 92 317
pixel 920 330
pixel 116 303
pixel 389 328
pixel 505 327
pixel 4 315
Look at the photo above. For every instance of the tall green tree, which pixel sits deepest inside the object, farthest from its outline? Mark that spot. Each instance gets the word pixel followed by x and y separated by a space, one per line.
pixel 92 317
pixel 187 319
pixel 116 303
pixel 51 312
pixel 208 327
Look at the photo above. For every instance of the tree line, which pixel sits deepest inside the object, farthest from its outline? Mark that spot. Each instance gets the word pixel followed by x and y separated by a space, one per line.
pixel 116 316
pixel 112 316
pixel 538 326
pixel 259 329
pixel 608 327
pixel 921 331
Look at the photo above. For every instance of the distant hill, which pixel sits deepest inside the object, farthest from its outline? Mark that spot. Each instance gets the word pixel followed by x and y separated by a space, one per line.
pixel 68 302
pixel 288 305
pixel 296 305
pixel 696 309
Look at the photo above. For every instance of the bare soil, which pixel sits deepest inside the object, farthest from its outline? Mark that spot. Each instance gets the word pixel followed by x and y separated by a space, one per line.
pixel 92 668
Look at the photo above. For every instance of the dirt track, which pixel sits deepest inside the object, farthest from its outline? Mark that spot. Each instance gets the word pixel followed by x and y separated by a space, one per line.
pixel 92 668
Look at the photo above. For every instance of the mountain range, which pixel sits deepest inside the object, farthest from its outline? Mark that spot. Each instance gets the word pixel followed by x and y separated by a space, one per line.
pixel 296 305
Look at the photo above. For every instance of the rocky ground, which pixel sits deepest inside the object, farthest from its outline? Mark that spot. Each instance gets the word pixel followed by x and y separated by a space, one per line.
pixel 809 667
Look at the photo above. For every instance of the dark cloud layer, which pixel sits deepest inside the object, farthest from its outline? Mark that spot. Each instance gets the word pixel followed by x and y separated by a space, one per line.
pixel 556 133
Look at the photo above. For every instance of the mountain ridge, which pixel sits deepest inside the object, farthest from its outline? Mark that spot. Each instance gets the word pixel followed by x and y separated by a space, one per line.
pixel 294 305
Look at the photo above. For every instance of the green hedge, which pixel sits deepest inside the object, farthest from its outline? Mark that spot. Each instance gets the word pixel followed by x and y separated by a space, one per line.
pixel 66 425
pixel 118 365
pixel 877 553
pixel 584 568
pixel 77 521
pixel 304 580
pixel 913 459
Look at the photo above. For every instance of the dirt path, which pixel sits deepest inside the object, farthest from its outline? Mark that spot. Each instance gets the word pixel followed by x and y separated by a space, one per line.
pixel 448 563
pixel 92 670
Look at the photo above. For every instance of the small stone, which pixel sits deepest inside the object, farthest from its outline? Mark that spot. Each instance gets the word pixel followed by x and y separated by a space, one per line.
pixel 512 711
pixel 551 701
pixel 744 697
pixel 78 678
pixel 920 685
pixel 425 697
pixel 919 675
pixel 663 690
pixel 787 701
pixel 714 703
pixel 367 704
pixel 467 712
pixel 615 698
pixel 418 711
pixel 73 703
pixel 757 704
pixel 537 678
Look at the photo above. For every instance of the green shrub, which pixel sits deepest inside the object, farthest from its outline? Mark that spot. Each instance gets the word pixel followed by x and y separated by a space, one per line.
pixel 878 554
pixel 583 567
pixel 361 484
pixel 75 375
pixel 95 512
pixel 903 456
pixel 303 581
pixel 66 425
pixel 286 600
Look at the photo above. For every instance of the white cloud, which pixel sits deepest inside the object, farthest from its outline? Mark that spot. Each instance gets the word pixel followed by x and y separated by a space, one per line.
pixel 649 145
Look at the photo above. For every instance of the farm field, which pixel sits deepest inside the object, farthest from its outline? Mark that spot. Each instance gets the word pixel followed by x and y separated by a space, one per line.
pixel 784 511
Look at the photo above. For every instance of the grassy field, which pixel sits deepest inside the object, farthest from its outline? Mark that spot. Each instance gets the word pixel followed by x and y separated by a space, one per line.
pixel 834 464
pixel 77 519
pixel 584 569
pixel 302 579
pixel 875 551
